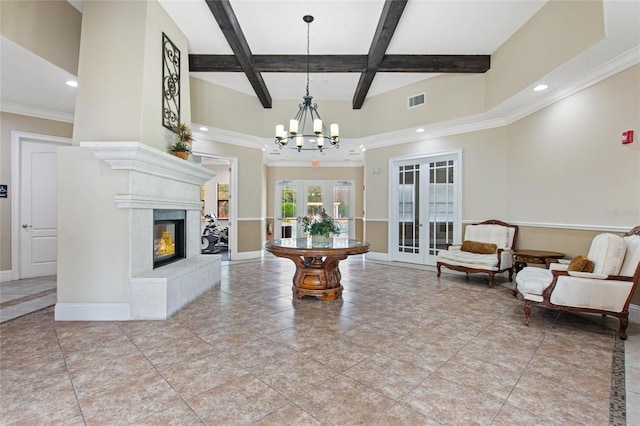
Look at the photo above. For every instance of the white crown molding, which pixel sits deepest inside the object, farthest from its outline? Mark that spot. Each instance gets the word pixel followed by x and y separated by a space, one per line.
pixel 136 156
pixel 594 76
pixel 35 112
pixel 230 137
pixel 484 121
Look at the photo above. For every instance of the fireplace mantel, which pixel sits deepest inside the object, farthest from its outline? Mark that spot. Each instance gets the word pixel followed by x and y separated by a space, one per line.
pixel 136 156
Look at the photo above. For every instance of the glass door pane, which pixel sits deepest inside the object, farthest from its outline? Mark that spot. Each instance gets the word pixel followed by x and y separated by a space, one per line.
pixel 341 209
pixel 286 221
pixel 409 209
pixel 315 199
pixel 441 205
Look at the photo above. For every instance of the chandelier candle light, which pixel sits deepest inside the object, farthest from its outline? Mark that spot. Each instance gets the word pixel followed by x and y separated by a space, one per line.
pixel 307 118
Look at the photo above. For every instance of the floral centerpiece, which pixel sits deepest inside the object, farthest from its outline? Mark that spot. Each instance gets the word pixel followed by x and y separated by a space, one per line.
pixel 183 140
pixel 320 225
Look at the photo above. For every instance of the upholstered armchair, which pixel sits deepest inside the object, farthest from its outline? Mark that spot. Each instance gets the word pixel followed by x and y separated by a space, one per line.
pixel 486 249
pixel 603 283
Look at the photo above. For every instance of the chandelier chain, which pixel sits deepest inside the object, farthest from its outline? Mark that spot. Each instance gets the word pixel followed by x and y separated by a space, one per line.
pixel 308 58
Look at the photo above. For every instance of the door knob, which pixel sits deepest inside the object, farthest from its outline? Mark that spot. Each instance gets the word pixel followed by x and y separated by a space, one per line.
pixel 25 226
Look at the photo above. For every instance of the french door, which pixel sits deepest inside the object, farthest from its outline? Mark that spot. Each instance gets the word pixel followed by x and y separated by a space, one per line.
pixel 424 208
pixel 295 199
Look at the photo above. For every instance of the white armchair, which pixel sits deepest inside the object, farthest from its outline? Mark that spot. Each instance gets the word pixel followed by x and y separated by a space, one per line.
pixel 607 290
pixel 486 248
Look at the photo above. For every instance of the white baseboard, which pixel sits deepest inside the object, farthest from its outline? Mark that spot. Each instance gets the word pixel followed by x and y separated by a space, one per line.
pixel 634 313
pixel 92 312
pixel 5 276
pixel 248 255
pixel 372 255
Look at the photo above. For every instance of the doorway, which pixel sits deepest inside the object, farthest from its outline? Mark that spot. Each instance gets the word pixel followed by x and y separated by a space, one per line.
pixel 425 208
pixel 295 199
pixel 219 205
pixel 34 233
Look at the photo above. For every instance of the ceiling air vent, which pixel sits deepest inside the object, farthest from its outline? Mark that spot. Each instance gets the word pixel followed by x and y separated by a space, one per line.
pixel 416 100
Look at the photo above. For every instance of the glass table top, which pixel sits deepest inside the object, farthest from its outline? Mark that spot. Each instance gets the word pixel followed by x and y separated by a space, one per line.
pixel 302 243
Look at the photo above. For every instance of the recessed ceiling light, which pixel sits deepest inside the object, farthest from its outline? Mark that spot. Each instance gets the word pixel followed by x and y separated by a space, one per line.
pixel 72 83
pixel 204 129
pixel 540 88
pixel 419 130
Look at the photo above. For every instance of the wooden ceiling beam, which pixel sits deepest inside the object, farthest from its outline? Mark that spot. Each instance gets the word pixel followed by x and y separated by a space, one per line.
pixel 344 63
pixel 226 18
pixel 436 63
pixel 389 19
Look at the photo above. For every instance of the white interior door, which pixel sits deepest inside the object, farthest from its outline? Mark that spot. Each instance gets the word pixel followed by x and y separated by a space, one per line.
pixel 38 208
pixel 424 208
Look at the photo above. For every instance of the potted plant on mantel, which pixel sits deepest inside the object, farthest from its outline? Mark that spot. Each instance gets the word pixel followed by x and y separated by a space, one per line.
pixel 182 147
pixel 320 227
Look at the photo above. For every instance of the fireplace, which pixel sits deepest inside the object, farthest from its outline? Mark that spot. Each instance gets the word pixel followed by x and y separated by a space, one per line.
pixel 169 236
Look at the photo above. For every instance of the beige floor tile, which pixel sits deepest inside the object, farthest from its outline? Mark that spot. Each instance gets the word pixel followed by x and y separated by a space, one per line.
pixel 558 403
pixel 435 398
pixel 343 401
pixel 291 415
pixel 401 347
pixel 401 414
pixel 240 401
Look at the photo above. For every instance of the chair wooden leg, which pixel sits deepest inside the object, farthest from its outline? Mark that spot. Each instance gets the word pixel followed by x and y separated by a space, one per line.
pixel 511 275
pixel 438 265
pixel 624 322
pixel 527 312
pixel 490 280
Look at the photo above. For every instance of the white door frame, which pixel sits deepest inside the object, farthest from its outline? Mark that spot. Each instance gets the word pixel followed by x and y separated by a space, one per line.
pixel 16 157
pixel 394 164
pixel 233 200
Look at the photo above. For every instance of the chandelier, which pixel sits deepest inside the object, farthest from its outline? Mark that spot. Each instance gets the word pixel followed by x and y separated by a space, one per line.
pixel 307 130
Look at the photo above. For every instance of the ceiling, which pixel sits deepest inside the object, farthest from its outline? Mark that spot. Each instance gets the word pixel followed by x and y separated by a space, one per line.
pixel 426 27
pixel 272 27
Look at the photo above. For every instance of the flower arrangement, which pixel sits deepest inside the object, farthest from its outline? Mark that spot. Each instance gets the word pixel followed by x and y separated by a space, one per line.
pixel 320 224
pixel 183 138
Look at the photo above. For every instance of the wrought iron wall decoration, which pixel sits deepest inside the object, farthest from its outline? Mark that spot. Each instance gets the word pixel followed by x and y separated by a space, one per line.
pixel 170 83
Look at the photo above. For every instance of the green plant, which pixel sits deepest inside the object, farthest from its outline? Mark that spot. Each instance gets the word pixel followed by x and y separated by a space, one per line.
pixel 183 138
pixel 320 224
pixel 288 210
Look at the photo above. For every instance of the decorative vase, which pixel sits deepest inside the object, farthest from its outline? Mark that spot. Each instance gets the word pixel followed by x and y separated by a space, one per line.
pixel 320 239
pixel 182 154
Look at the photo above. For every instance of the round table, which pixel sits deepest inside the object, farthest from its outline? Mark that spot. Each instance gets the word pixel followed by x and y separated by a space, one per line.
pixel 317 273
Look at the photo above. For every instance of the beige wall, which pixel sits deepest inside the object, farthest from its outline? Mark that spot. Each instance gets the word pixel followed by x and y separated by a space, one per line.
pixel 567 165
pixel 120 74
pixel 562 166
pixel 558 32
pixel 20 123
pixel 49 29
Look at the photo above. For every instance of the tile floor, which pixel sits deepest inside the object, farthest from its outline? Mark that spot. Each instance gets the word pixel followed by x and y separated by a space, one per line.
pixel 400 348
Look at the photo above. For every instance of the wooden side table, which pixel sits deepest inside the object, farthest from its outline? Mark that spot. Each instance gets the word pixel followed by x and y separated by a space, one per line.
pixel 522 257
